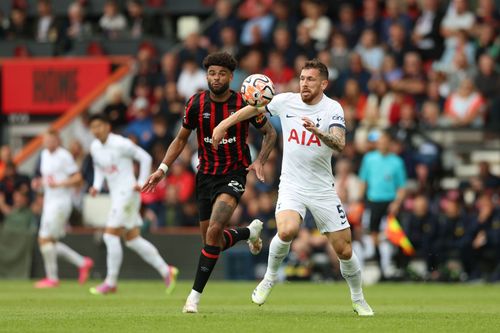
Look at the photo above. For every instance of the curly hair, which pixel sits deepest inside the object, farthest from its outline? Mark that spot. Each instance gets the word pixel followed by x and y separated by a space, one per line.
pixel 222 59
pixel 316 64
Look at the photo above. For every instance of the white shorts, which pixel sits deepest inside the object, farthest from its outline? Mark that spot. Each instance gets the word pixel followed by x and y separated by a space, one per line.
pixel 124 211
pixel 55 214
pixel 325 207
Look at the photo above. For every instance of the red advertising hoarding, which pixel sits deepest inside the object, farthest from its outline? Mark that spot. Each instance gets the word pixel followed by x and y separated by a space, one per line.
pixel 49 86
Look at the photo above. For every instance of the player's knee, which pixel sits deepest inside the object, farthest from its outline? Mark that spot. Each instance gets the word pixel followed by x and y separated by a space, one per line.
pixel 287 234
pixel 345 253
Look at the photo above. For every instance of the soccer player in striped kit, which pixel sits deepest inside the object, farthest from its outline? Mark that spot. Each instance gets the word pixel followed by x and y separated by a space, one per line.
pixel 221 177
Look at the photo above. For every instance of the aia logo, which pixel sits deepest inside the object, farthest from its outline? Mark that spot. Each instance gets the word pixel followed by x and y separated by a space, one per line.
pixel 306 138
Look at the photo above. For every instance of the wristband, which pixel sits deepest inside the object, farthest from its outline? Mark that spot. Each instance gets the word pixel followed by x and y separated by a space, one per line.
pixel 163 167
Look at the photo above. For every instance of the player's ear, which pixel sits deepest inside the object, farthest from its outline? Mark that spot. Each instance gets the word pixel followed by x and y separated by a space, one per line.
pixel 324 84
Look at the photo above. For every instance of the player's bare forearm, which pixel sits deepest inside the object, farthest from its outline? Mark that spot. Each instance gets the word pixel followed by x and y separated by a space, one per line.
pixel 334 139
pixel 268 142
pixel 74 180
pixel 242 114
pixel 177 146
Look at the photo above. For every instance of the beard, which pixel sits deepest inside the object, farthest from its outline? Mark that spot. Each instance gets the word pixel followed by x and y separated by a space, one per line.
pixel 219 90
pixel 309 97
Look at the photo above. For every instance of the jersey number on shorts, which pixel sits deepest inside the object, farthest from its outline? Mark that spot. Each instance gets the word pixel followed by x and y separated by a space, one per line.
pixel 341 213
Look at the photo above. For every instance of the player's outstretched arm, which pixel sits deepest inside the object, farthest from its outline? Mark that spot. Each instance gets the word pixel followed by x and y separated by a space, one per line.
pixel 145 161
pixel 242 114
pixel 334 138
pixel 173 151
pixel 268 143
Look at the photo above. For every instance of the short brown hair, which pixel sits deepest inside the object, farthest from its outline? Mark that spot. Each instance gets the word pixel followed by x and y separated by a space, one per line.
pixel 316 64
pixel 222 59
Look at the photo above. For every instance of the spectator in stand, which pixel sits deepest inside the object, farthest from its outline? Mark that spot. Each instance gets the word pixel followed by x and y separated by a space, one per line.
pixel 223 17
pixel 485 241
pixel 430 116
pixel 304 42
pixel 229 40
pixel 458 17
pixel 487 14
pixel 171 107
pixel 487 79
pixel 395 13
pixel 421 226
pixel 116 109
pixel 278 71
pixel 413 81
pixel 45 24
pixel 464 107
pixel 398 44
pixel 112 23
pixel 426 33
pixel 161 135
pixel 169 70
pixel 192 79
pixel 19 27
pixel 75 27
pixel 141 25
pixel 318 25
pixel 453 242
pixel 11 182
pixel 282 42
pixel 19 216
pixel 487 42
pixel 251 62
pixel 379 101
pixel 192 49
pixel 284 18
pixel 140 130
pixel 355 71
pixel 353 100
pixel 146 72
pixel 348 26
pixel 370 51
pixel 340 52
pixel 486 180
pixel 258 29
pixel 371 18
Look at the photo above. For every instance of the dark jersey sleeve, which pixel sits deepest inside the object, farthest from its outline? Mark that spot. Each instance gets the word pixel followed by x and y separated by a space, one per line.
pixel 259 120
pixel 190 114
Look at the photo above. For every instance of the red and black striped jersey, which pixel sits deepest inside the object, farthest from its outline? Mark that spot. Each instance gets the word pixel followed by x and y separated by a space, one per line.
pixel 203 115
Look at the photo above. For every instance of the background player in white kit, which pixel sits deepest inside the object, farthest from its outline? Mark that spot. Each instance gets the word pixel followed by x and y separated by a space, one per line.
pixel 59 174
pixel 313 128
pixel 113 157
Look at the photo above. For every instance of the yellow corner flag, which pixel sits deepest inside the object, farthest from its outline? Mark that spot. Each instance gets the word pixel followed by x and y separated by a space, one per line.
pixel 397 236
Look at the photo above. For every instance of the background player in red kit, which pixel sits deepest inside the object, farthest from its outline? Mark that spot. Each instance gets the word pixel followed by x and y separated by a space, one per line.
pixel 221 177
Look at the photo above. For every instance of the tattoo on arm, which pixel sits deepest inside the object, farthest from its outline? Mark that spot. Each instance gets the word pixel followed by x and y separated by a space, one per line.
pixel 268 142
pixel 335 138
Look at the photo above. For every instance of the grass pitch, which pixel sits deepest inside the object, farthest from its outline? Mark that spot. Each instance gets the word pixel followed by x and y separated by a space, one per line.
pixel 142 306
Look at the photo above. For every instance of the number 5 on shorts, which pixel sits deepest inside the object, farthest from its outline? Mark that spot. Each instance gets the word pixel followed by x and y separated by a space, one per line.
pixel 341 212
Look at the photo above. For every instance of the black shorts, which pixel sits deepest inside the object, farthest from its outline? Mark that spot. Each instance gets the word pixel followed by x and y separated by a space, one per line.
pixel 208 187
pixel 377 211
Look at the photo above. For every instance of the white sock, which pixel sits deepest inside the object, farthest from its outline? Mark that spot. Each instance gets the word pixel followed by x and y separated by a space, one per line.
pixel 278 250
pixel 69 254
pixel 49 255
pixel 113 259
pixel 194 296
pixel 351 271
pixel 385 250
pixel 357 248
pixel 149 254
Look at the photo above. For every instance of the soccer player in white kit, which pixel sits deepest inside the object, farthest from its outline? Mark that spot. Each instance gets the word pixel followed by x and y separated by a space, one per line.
pixel 113 157
pixel 313 128
pixel 59 174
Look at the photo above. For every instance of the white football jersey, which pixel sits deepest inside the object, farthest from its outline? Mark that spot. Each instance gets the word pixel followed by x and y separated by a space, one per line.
pixel 113 161
pixel 306 159
pixel 56 167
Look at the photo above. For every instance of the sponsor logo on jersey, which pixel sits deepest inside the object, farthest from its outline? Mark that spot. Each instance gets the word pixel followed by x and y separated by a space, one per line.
pixel 305 138
pixel 224 141
pixel 338 118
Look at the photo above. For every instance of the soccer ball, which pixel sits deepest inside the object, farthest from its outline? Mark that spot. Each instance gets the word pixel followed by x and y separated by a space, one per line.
pixel 257 90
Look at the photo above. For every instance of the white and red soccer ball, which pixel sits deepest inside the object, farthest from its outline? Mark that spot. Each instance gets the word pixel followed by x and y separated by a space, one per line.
pixel 257 90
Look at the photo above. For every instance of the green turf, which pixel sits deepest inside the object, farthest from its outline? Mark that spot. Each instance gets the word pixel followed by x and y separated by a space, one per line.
pixel 141 306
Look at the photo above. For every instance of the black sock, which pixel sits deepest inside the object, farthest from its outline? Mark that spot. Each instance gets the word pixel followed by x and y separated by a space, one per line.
pixel 233 236
pixel 208 259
